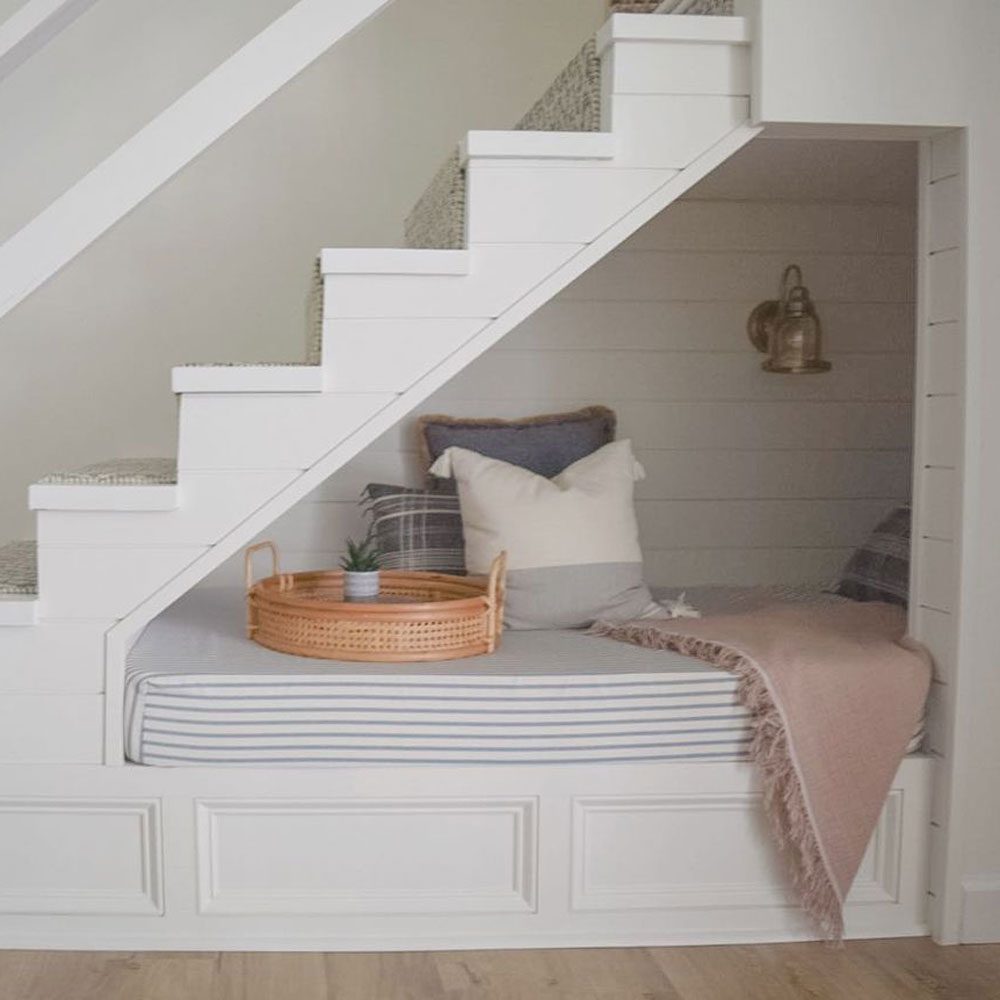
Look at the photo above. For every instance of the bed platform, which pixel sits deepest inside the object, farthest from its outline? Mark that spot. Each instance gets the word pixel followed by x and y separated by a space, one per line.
pixel 607 837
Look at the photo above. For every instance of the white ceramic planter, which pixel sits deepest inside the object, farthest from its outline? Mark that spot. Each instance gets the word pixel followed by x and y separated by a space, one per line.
pixel 359 586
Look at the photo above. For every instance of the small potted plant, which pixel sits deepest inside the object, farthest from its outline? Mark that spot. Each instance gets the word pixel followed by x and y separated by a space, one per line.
pixel 360 566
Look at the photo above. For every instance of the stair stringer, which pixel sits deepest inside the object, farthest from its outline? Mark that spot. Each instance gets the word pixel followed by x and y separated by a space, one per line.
pixel 121 635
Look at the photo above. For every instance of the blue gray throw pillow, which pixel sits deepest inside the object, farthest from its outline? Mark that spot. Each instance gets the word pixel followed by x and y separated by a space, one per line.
pixel 545 445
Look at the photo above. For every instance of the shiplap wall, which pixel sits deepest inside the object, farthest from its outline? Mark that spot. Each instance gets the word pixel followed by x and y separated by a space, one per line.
pixel 752 477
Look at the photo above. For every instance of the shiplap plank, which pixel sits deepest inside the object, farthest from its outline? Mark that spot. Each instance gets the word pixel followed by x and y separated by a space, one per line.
pixel 692 475
pixel 663 524
pixel 821 425
pixel 779 227
pixel 654 375
pixel 655 275
pixel 663 567
pixel 743 567
pixel 848 327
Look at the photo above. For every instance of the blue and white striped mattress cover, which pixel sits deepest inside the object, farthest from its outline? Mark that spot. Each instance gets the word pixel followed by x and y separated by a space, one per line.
pixel 197 692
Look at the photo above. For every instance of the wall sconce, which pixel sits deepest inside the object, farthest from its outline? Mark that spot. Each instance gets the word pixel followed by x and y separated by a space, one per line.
pixel 788 329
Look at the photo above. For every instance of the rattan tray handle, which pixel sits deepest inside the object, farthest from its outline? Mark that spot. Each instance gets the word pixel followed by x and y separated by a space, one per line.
pixel 285 579
pixel 495 595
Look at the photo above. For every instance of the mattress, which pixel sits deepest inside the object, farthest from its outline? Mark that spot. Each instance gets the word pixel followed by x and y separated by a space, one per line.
pixel 197 692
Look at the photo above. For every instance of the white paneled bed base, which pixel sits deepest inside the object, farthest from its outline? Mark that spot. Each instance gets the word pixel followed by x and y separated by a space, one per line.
pixel 402 858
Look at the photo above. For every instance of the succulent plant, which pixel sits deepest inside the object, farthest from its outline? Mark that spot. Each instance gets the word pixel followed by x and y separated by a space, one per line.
pixel 362 557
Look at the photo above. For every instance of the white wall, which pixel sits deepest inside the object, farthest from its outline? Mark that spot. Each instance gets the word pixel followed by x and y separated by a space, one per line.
pixel 100 80
pixel 216 264
pixel 977 780
pixel 751 477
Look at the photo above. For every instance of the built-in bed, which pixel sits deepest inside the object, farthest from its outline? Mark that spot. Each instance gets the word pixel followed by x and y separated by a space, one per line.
pixel 197 692
pixel 569 790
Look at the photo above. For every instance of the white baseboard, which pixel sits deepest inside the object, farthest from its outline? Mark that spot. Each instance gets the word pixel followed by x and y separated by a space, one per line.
pixel 981 909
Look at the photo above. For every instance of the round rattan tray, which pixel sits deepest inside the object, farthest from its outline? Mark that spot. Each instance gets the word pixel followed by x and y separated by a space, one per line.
pixel 445 618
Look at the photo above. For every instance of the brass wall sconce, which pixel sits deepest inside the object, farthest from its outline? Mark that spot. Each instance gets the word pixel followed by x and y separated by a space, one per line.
pixel 788 329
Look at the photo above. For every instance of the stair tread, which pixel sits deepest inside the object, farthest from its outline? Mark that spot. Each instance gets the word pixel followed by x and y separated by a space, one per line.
pixel 19 569
pixel 118 472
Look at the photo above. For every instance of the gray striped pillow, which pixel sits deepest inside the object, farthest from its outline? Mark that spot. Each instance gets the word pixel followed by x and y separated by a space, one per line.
pixel 417 529
pixel 880 569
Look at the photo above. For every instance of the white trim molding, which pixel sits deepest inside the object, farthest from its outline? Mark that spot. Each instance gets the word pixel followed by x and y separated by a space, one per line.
pixel 168 143
pixel 33 26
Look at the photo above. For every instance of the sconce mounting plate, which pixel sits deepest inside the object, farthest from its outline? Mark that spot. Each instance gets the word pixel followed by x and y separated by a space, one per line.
pixel 761 322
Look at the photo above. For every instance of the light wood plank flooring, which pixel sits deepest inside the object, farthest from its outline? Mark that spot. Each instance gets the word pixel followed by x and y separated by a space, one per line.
pixel 909 969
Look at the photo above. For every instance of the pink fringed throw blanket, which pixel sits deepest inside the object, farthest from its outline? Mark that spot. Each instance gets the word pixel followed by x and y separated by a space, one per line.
pixel 836 692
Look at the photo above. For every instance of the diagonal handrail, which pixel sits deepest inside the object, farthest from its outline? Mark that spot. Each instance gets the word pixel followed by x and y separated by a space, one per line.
pixel 171 140
pixel 32 26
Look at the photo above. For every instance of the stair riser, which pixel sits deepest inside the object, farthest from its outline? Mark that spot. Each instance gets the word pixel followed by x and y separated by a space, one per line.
pixel 499 276
pixel 517 204
pixel 219 432
pixel 18 612
pixel 212 503
pixel 389 355
pixel 53 657
pixel 676 67
pixel 670 132
pixel 103 582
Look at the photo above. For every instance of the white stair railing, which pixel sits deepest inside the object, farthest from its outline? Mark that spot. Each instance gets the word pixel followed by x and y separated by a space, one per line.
pixel 174 138
pixel 32 26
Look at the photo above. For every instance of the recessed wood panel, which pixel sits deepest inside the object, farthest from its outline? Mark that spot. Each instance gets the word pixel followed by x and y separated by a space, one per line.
pixel 448 856
pixel 680 851
pixel 80 856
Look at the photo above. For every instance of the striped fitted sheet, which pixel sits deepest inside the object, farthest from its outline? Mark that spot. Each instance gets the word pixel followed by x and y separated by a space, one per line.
pixel 197 692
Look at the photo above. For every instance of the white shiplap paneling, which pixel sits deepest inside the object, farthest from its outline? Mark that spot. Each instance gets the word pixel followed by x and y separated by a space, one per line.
pixel 751 477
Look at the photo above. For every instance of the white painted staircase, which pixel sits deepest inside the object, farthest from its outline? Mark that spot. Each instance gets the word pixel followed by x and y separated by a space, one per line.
pixel 118 544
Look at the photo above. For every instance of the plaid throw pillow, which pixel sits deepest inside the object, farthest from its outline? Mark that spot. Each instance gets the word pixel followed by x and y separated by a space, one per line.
pixel 417 529
pixel 880 569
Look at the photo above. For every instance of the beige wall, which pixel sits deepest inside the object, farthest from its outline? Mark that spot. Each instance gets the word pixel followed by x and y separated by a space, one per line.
pixel 102 78
pixel 215 265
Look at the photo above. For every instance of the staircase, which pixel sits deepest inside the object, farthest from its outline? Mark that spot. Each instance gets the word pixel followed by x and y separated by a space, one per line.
pixel 117 543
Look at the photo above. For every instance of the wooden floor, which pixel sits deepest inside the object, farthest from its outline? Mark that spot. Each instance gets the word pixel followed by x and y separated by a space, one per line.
pixel 863 970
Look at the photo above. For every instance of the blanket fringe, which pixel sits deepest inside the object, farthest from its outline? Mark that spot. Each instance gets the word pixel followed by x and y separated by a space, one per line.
pixel 784 799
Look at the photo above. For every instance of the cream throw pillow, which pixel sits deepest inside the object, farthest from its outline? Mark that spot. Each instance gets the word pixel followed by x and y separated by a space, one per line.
pixel 572 542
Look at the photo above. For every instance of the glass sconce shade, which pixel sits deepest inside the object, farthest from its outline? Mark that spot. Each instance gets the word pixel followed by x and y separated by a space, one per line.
pixel 788 330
